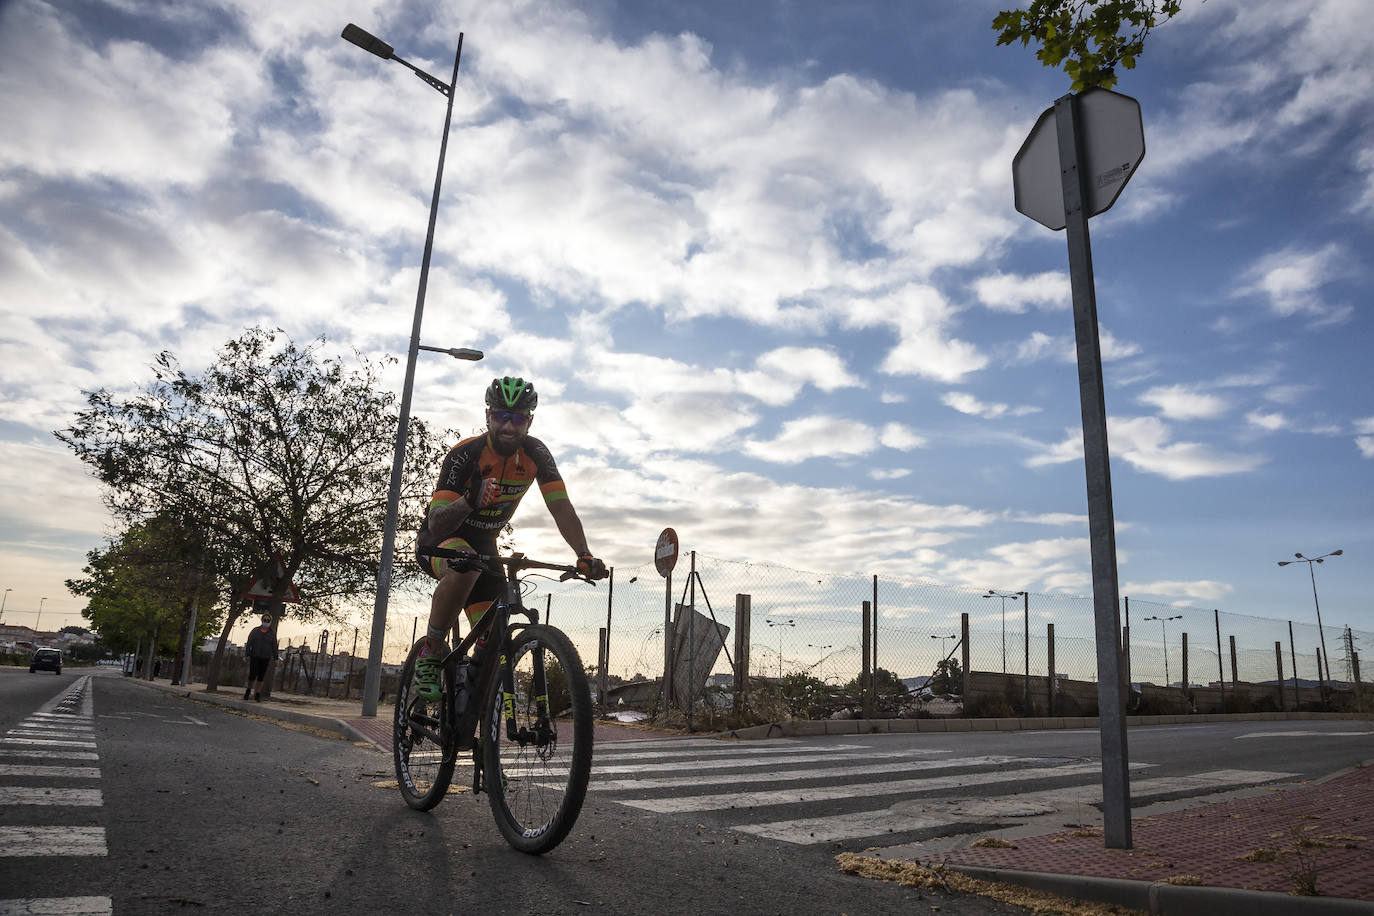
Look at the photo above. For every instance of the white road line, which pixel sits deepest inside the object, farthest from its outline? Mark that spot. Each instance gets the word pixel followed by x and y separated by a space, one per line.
pixel 56 733
pixel 58 906
pixel 28 795
pixel 196 721
pixel 902 766
pixel 49 742
pixel 8 769
pixel 865 790
pixel 907 816
pixel 52 841
pixel 642 743
pixel 718 751
pixel 32 722
pixel 6 752
pixel 753 760
pixel 1303 734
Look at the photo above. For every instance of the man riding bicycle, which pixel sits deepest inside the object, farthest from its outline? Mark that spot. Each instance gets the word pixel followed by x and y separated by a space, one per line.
pixel 480 484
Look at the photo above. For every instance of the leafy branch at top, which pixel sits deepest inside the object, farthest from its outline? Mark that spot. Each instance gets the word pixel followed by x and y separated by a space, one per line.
pixel 1088 38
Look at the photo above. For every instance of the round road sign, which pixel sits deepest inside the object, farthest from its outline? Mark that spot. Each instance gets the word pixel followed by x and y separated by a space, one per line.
pixel 665 552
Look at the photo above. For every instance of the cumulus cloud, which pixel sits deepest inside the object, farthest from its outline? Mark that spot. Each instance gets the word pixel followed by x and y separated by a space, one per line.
pixel 1184 402
pixel 1146 444
pixel 1269 422
pixel 1291 281
pixel 964 402
pixel 1014 293
pixel 1064 349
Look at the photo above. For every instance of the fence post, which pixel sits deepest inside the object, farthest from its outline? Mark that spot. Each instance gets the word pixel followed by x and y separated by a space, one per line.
pixel 1293 657
pixel 1187 693
pixel 1126 648
pixel 1049 680
pixel 1221 672
pixel 874 638
pixel 742 610
pixel 601 665
pixel 606 669
pixel 866 675
pixel 1278 663
pixel 1355 665
pixel 1025 625
pixel 1235 676
pixel 963 641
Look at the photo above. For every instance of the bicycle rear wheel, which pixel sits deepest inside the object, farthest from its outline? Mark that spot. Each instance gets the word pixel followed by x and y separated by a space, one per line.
pixel 424 751
pixel 536 778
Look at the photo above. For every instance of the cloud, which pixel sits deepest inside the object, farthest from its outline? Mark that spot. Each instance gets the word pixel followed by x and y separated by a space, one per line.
pixel 964 402
pixel 1051 562
pixel 1270 422
pixel 1064 348
pixel 1201 589
pixel 1364 440
pixel 901 437
pixel 1291 282
pixel 1183 402
pixel 814 437
pixel 922 318
pixel 1144 443
pixel 1014 293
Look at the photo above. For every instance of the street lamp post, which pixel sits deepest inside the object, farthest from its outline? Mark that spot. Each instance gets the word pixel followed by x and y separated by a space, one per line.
pixel 1326 660
pixel 789 622
pixel 820 661
pixel 996 594
pixel 1164 637
pixel 373 677
pixel 3 598
pixel 40 616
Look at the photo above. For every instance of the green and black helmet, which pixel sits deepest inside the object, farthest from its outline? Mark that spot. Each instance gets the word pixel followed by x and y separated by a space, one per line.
pixel 511 394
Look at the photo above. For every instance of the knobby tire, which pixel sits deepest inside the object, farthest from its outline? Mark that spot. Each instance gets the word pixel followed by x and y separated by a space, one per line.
pixel 424 767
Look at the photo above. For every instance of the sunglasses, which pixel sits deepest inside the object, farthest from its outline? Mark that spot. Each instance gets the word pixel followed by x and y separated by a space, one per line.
pixel 507 416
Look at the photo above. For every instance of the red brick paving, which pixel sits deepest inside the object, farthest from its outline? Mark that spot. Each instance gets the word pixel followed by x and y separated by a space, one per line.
pixel 1335 821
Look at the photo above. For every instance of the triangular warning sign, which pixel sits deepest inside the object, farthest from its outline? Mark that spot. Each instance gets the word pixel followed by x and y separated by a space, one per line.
pixel 271 574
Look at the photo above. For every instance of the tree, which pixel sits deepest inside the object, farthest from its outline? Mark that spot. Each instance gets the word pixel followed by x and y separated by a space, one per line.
pixel 141 587
pixel 806 695
pixel 885 684
pixel 272 449
pixel 948 678
pixel 74 630
pixel 1090 38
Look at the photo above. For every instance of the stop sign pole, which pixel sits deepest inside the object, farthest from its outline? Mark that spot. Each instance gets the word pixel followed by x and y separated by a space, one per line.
pixel 1096 141
pixel 1111 707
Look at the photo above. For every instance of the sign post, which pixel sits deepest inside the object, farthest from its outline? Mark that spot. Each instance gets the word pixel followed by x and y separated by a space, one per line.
pixel 1072 166
pixel 665 558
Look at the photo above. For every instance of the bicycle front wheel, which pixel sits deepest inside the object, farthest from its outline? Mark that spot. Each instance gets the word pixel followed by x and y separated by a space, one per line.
pixel 425 754
pixel 537 752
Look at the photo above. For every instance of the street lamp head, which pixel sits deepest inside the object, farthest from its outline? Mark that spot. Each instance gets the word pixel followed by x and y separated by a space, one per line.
pixel 1284 562
pixel 1300 556
pixel 1336 553
pixel 368 42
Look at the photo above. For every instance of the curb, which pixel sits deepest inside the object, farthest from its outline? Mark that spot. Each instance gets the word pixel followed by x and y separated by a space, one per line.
pixel 1161 899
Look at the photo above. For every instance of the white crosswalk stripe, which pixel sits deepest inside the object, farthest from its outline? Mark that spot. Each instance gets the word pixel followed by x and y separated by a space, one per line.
pixel 677 782
pixel 41 751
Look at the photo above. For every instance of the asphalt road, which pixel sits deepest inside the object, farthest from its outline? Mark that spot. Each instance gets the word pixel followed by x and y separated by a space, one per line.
pixel 203 809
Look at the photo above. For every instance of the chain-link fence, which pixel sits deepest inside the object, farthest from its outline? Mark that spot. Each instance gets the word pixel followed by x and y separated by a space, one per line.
pixel 811 625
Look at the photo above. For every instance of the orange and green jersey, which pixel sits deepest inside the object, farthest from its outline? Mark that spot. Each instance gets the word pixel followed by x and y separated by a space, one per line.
pixel 471 461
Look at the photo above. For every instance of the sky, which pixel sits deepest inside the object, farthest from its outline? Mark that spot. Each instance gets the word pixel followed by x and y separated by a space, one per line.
pixel 761 260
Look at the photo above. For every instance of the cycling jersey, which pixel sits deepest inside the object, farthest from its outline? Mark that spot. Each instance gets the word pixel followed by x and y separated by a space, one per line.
pixel 474 459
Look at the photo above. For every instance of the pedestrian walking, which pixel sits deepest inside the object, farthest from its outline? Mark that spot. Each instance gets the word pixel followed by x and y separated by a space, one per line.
pixel 261 648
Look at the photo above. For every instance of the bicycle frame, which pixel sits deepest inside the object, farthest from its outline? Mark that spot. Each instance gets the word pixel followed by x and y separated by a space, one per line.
pixel 495 625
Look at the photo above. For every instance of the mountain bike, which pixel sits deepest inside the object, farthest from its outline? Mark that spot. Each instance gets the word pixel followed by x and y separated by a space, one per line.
pixel 515 694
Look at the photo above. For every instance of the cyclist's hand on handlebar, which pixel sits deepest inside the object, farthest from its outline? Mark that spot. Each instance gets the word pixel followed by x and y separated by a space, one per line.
pixel 465 562
pixel 591 567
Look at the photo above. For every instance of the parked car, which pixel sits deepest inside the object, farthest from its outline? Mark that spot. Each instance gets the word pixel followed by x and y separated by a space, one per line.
pixel 46 660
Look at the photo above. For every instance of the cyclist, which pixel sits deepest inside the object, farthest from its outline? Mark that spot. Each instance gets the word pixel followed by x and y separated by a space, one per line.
pixel 480 484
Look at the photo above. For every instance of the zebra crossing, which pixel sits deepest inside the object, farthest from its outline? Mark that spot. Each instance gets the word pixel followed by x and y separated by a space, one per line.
pixel 40 759
pixel 866 790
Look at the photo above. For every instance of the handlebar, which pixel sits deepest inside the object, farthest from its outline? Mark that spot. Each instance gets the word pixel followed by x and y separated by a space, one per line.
pixel 465 561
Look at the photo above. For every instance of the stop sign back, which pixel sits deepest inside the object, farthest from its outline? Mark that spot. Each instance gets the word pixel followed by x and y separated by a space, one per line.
pixel 1112 144
pixel 665 552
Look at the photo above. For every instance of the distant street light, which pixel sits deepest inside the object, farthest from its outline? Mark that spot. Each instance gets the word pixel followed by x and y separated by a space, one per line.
pixel 3 598
pixel 821 660
pixel 780 623
pixel 372 678
pixel 40 615
pixel 1004 596
pixel 1165 638
pixel 943 638
pixel 1326 660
